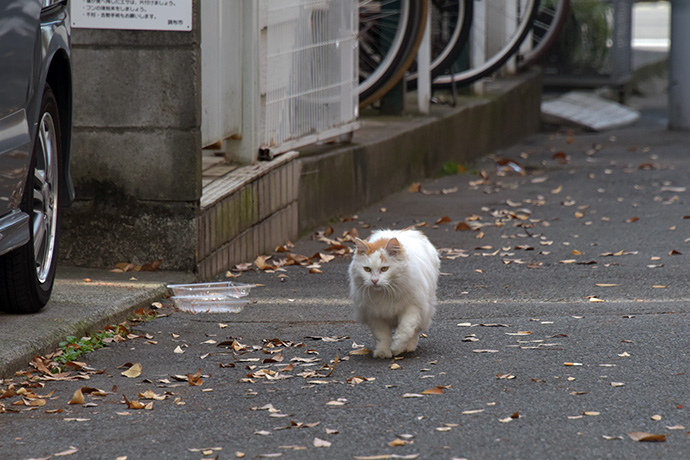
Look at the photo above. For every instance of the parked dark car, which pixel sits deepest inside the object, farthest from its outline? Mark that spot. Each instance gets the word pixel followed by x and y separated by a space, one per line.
pixel 35 133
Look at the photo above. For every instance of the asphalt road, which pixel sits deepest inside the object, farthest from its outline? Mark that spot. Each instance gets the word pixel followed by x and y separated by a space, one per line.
pixel 561 328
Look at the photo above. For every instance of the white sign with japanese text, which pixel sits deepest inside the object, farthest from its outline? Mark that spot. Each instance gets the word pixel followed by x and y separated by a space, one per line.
pixel 171 15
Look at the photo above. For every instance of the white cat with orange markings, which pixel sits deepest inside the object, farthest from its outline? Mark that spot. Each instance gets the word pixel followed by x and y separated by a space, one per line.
pixel 393 278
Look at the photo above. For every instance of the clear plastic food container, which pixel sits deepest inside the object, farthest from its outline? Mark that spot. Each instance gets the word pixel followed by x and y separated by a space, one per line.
pixel 220 289
pixel 221 297
pixel 194 304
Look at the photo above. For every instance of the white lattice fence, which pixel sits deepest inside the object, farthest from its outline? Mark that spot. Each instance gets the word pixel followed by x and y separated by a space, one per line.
pixel 308 72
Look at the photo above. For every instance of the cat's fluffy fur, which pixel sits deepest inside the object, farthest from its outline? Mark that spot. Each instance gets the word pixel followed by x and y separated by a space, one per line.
pixel 393 278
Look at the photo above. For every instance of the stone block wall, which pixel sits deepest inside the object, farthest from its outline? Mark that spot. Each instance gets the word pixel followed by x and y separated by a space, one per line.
pixel 136 151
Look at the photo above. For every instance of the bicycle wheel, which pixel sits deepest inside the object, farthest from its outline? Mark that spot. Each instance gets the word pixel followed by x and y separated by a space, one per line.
pixel 489 25
pixel 450 29
pixel 547 26
pixel 389 34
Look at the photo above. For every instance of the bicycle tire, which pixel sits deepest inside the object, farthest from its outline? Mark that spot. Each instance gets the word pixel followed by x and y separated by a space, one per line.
pixel 498 59
pixel 446 42
pixel 550 20
pixel 399 57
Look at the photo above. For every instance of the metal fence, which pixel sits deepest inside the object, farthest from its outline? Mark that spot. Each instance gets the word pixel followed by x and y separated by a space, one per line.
pixel 305 66
pixel 310 71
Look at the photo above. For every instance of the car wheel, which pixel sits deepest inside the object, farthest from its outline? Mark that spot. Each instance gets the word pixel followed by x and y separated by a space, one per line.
pixel 28 272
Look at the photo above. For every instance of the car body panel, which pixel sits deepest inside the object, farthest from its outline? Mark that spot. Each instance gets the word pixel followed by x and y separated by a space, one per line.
pixel 34 34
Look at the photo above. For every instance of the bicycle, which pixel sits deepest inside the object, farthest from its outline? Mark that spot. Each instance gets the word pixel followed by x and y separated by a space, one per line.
pixel 389 35
pixel 548 24
pixel 451 21
pixel 506 23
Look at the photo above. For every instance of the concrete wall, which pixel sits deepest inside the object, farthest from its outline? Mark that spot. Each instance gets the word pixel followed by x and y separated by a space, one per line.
pixel 388 153
pixel 247 213
pixel 136 158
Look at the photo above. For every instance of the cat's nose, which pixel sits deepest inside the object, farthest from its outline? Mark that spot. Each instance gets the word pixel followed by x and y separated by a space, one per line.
pixel 374 280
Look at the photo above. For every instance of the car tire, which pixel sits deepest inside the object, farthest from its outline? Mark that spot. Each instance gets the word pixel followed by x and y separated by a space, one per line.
pixel 27 273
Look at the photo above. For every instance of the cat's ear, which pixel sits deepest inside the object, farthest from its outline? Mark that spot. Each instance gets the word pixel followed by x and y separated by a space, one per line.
pixel 393 247
pixel 362 246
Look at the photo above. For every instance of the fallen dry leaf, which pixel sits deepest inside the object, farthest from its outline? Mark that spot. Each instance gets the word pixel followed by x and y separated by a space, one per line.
pixel 612 438
pixel 261 263
pixel 72 450
pixel 433 391
pixel 318 442
pixel 397 442
pixel 338 402
pixel 77 397
pixel 641 436
pixel 60 411
pixel 504 165
pixel 133 372
pixel 562 157
pixel 361 351
pixel 148 394
pixel 136 404
pixel 462 226
pixel 30 402
pixel 194 379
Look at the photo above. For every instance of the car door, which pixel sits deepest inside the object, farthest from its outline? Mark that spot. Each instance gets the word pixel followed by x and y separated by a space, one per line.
pixel 19 39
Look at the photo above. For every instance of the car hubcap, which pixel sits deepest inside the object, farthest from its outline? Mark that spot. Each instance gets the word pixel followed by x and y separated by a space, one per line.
pixel 44 212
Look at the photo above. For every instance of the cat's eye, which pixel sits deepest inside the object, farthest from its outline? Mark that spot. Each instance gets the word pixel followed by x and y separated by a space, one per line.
pixel 367 269
pixel 384 269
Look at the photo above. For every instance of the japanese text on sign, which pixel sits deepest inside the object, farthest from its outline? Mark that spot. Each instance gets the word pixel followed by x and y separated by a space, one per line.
pixel 172 15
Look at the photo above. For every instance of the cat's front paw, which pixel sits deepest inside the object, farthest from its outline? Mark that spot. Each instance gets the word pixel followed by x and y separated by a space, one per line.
pixel 382 353
pixel 408 347
pixel 395 351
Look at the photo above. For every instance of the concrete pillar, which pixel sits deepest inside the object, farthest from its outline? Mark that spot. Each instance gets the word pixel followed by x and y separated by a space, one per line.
pixel 424 67
pixel 245 147
pixel 136 150
pixel 679 67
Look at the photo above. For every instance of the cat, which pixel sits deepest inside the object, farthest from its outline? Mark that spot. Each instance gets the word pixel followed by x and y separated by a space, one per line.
pixel 393 279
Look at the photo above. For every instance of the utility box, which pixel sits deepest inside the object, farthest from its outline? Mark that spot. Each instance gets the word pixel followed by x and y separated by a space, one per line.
pixel 594 47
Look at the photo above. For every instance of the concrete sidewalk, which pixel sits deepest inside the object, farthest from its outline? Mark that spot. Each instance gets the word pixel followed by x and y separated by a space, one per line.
pixel 83 300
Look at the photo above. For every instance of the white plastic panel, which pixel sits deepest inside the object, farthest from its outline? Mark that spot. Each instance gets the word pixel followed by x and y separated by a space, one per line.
pixel 221 70
pixel 309 71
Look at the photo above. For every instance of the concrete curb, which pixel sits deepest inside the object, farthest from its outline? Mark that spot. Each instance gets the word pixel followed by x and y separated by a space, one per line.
pixel 78 307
